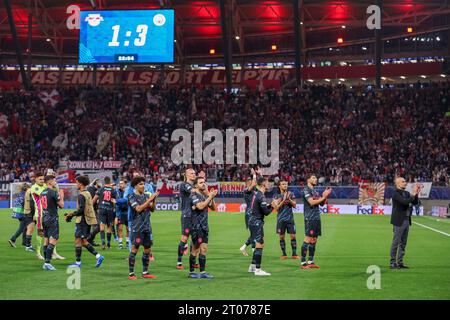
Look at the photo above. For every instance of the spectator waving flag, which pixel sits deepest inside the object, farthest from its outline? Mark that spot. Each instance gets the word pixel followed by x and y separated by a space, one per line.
pixel 133 137
pixel 51 98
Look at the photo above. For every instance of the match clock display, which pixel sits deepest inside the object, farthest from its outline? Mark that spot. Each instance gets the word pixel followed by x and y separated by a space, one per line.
pixel 126 36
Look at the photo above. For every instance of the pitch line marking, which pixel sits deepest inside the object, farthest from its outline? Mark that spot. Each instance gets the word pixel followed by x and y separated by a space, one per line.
pixel 435 230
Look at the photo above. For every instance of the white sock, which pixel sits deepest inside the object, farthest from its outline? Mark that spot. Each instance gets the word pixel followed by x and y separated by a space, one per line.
pixel 120 240
pixel 97 255
pixel 128 239
pixel 78 262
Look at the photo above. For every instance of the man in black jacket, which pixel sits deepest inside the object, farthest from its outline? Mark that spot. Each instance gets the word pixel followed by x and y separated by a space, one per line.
pixel 401 219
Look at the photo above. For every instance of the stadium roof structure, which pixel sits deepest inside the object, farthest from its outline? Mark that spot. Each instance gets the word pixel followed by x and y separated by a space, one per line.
pixel 258 30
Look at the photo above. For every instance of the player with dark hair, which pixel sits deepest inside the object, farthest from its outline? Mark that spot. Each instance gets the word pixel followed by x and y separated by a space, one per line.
pixel 186 188
pixel 141 229
pixel 122 214
pixel 129 190
pixel 200 200
pixel 259 209
pixel 94 229
pixel 285 219
pixel 313 227
pixel 51 200
pixel 250 184
pixel 85 218
pixel 36 190
pixel 106 197
pixel 18 213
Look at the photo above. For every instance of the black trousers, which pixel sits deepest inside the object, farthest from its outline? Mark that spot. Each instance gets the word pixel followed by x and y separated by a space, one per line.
pixel 22 230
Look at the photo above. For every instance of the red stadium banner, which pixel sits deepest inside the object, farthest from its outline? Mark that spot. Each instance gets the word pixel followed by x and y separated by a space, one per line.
pixel 232 187
pixel 271 77
pixel 171 187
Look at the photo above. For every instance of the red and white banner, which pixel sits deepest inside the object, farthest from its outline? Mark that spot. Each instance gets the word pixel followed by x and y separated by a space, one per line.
pixel 51 98
pixel 232 187
pixel 171 187
pixel 66 176
pixel 270 77
pixel 425 189
pixel 371 193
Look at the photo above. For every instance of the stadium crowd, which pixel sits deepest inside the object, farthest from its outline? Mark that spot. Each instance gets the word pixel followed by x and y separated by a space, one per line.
pixel 343 134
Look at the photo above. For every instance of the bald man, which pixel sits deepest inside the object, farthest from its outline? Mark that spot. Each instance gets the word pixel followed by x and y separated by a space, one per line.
pixel 401 219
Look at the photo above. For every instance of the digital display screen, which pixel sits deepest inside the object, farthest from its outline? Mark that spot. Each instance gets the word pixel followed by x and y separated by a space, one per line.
pixel 126 36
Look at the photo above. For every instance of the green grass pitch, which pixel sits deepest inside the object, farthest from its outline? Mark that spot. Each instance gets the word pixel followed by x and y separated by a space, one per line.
pixel 349 244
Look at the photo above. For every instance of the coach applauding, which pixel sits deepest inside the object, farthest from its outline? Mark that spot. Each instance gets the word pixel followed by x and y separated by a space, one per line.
pixel 401 219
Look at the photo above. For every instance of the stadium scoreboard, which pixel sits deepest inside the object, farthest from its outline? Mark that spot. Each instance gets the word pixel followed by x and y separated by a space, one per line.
pixel 126 36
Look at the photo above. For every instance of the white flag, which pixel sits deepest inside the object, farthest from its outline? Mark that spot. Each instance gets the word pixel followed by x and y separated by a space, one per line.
pixel 51 98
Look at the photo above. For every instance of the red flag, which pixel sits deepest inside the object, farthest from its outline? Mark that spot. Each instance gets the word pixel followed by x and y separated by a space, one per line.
pixel 51 98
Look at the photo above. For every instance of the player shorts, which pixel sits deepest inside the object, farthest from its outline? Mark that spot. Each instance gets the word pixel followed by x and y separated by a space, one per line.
pixel 82 230
pixel 186 225
pixel 283 226
pixel 106 217
pixel 142 238
pixel 247 217
pixel 199 236
pixel 256 227
pixel 51 229
pixel 124 219
pixel 313 228
pixel 27 219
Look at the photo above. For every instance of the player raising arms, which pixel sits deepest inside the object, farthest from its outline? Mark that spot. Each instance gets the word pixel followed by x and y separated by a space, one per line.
pixel 51 200
pixel 250 184
pixel 85 218
pixel 185 192
pixel 106 197
pixel 200 200
pixel 285 219
pixel 313 228
pixel 259 209
pixel 141 205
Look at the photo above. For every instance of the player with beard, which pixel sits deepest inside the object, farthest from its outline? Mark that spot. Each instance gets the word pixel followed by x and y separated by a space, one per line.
pixel 200 200
pixel 313 227
pixel 106 197
pixel 51 200
pixel 85 218
pixel 92 188
pixel 259 209
pixel 121 214
pixel 250 184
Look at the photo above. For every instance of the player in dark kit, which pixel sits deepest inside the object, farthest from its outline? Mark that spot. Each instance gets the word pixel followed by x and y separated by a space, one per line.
pixel 313 227
pixel 200 200
pixel 259 209
pixel 285 219
pixel 50 201
pixel 185 192
pixel 106 197
pixel 141 229
pixel 250 184
pixel 94 229
pixel 85 218
pixel 122 213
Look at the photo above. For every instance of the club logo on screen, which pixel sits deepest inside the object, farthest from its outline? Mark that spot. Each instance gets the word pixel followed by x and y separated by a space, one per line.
pixel 159 20
pixel 94 19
